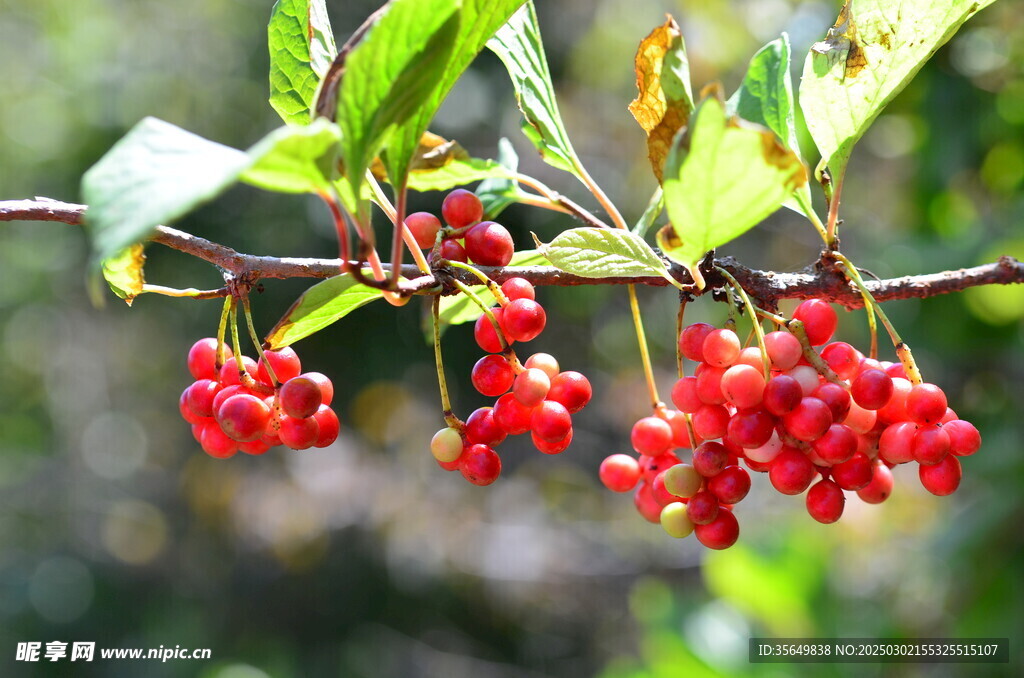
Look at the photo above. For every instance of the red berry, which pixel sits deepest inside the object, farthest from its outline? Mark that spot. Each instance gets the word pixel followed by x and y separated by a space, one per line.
pixel 453 251
pixel 652 466
pixel 721 348
pixel 489 244
pixel 731 485
pixel 254 448
pixel 229 370
pixel 880 487
pixel 854 473
pixel 825 502
pixel 781 395
pixel 660 492
pixel 709 385
pixel 480 465
pixel 548 447
pixel 651 436
pixel 964 438
pixel 842 358
pixel 702 508
pixel 186 412
pixel 819 319
pixel 721 533
pixel 492 375
pixel 518 288
pixel 298 434
pixel 943 478
pixel 227 392
pixel 743 386
pixel 531 386
pixel 201 395
pixel 710 421
pixel 931 445
pixel 482 429
pixel 243 417
pixel 300 397
pixel 750 429
pixel 462 208
pixel 328 424
pixel 872 389
pixel 424 227
pixel 791 472
pixel 926 404
pixel 784 350
pixel 325 384
pixel 837 445
pixel 215 443
pixel 202 358
pixel 619 472
pixel 710 458
pixel 684 395
pixel 572 389
pixel 896 444
pixel 809 421
pixel 545 362
pixel 524 319
pixel 896 409
pixel 691 341
pixel 511 415
pixel 836 397
pixel 646 504
pixel 285 362
pixel 486 337
pixel 551 421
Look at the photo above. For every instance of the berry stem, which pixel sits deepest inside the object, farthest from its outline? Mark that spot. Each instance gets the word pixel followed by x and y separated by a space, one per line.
pixel 731 322
pixel 902 349
pixel 244 377
pixel 506 350
pixel 446 403
pixel 679 333
pixel 493 287
pixel 752 313
pixel 392 214
pixel 811 215
pixel 221 328
pixel 256 341
pixel 796 328
pixel 645 356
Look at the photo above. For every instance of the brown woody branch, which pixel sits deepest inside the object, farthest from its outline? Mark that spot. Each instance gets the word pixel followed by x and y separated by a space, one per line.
pixel 820 281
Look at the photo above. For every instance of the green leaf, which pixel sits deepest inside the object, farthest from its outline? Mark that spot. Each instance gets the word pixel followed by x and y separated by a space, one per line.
pixel 765 97
pixel 440 164
pixel 655 206
pixel 603 253
pixel 318 307
pixel 301 50
pixel 518 45
pixel 123 272
pixel 389 75
pixel 295 159
pixel 159 172
pixel 478 20
pixel 732 177
pixel 867 58
pixel 155 174
pixel 497 194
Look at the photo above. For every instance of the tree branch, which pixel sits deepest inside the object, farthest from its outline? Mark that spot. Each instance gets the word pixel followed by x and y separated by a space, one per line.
pixel 819 281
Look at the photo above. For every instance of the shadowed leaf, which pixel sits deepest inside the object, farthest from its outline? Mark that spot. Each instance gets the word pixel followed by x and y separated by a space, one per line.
pixel 318 307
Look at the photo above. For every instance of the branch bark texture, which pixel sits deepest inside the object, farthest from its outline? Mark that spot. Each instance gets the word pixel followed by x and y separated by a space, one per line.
pixel 820 281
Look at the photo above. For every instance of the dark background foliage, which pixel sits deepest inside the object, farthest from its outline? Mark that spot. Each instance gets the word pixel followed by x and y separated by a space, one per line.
pixel 367 560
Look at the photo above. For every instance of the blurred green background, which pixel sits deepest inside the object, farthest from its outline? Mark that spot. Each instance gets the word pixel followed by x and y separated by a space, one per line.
pixel 365 559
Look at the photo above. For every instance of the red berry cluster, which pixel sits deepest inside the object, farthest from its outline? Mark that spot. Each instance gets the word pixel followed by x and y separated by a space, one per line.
pixel 485 242
pixel 535 397
pixel 796 426
pixel 230 411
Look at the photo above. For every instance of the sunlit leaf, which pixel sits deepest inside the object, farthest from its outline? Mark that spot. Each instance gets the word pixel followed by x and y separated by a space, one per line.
pixel 733 176
pixel 766 97
pixel 295 159
pixel 301 49
pixel 155 174
pixel 518 45
pixel 874 49
pixel 318 307
pixel 664 99
pixel 123 272
pixel 390 75
pixel 440 165
pixel 603 253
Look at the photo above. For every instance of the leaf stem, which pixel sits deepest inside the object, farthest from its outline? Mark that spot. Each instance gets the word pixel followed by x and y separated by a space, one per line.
pixel 446 403
pixel 392 214
pixel 811 215
pixel 833 214
pixel 188 292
